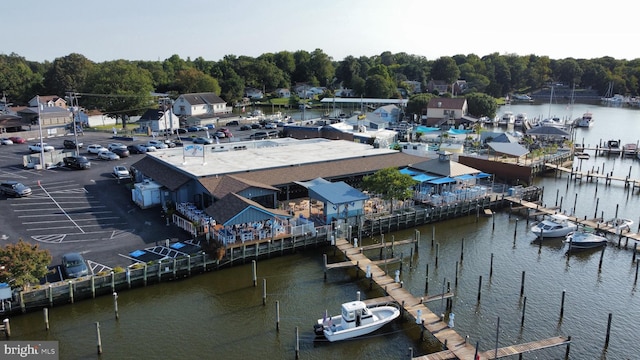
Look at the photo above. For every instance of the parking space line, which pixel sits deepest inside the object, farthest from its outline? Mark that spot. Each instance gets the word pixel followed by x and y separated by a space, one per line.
pixel 82 213
pixel 76 220
pixel 60 207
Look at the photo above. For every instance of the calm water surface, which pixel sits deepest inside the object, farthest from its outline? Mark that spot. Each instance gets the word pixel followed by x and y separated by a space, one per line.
pixel 220 314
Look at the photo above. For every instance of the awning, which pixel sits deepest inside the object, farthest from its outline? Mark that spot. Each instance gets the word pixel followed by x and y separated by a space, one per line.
pixel 483 175
pixel 464 177
pixel 423 177
pixel 408 171
pixel 444 180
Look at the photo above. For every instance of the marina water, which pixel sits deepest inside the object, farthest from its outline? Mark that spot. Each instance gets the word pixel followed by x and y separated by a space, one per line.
pixel 220 314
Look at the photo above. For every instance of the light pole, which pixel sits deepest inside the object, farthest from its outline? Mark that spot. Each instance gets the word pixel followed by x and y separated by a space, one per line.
pixel 74 110
pixel 40 130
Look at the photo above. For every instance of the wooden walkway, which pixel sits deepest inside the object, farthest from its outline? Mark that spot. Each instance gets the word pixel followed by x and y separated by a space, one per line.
pixel 591 175
pixel 504 351
pixel 457 346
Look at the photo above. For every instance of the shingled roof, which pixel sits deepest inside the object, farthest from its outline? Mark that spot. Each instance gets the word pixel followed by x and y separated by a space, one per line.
pixel 220 186
pixel 202 98
pixel 160 173
pixel 232 205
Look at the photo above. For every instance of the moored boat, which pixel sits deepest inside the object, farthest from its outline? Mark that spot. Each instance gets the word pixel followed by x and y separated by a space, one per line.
pixel 585 121
pixel 520 119
pixel 617 225
pixel 356 319
pixel 613 147
pixel 630 150
pixel 507 119
pixel 556 225
pixel 585 239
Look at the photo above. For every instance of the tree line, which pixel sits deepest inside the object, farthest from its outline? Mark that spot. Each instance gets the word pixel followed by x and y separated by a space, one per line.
pixel 123 87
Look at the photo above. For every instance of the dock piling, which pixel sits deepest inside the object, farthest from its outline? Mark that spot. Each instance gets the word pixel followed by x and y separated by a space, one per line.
pixel 562 304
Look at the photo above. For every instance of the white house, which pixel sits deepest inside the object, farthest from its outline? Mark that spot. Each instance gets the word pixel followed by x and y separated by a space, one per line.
pixel 200 104
pixel 283 93
pixel 155 120
pixel 253 93
pixel 390 113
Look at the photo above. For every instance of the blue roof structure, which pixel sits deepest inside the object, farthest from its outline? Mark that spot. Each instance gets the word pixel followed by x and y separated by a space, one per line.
pixel 464 177
pixel 444 180
pixel 336 193
pixel 408 171
pixel 423 177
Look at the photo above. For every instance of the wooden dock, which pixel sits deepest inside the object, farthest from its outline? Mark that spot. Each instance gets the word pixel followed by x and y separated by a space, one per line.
pixel 504 351
pixel 456 346
pixel 591 176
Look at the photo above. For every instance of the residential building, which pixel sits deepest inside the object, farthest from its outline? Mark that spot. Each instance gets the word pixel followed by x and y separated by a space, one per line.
pixel 48 101
pixel 283 93
pixel 447 113
pixel 196 104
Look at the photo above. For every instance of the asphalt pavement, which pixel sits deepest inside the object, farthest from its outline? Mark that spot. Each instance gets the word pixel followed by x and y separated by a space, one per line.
pixel 87 211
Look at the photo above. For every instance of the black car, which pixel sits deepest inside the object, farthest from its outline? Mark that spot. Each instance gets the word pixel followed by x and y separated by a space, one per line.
pixel 136 149
pixel 74 266
pixel 232 123
pixel 122 152
pixel 77 162
pixel 245 127
pixel 14 188
pixel 71 144
pixel 256 126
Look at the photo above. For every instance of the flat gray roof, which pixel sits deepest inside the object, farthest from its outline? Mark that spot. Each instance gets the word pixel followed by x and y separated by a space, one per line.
pixel 243 156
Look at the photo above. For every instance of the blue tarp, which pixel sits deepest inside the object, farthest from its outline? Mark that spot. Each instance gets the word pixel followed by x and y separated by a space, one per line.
pixel 464 177
pixel 408 171
pixel 458 132
pixel 444 180
pixel 423 177
pixel 424 129
pixel 483 175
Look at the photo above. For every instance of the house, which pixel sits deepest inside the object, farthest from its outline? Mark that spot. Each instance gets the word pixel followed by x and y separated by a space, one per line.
pixel 416 86
pixel 437 85
pixel 460 87
pixel 342 92
pixel 47 101
pixel 253 93
pixel 156 120
pixel 92 118
pixel 196 104
pixel 391 113
pixel 50 116
pixel 283 93
pixel 446 112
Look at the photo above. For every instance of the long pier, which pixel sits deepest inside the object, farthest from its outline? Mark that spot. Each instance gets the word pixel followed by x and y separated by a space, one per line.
pixel 593 175
pixel 456 346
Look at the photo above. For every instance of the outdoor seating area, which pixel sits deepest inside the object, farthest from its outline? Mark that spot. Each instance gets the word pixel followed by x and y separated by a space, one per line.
pixel 452 196
pixel 228 235
pixel 191 212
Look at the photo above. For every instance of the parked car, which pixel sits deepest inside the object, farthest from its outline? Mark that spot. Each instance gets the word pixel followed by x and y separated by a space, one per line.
pixel 74 266
pixel 202 140
pixel 210 126
pixel 195 128
pixel 96 148
pixel 245 127
pixel 71 144
pixel 17 139
pixel 149 148
pixel 14 188
pixel 271 134
pixel 121 172
pixel 271 125
pixel 256 126
pixel 220 134
pixel 181 131
pixel 158 144
pixel 122 152
pixel 136 149
pixel 6 141
pixel 232 123
pixel 258 135
pixel 77 162
pixel 107 155
pixel 173 142
pixel 34 148
pixel 112 146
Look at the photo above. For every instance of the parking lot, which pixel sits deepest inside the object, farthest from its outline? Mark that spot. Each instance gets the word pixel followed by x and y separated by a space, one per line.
pixel 87 211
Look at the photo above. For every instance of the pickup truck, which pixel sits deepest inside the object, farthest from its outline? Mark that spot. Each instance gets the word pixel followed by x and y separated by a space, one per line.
pixel 34 148
pixel 78 162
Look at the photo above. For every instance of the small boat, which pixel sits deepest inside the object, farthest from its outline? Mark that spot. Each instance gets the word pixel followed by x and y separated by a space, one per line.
pixel 629 149
pixel 585 121
pixel 613 147
pixel 585 239
pixel 618 225
pixel 507 119
pixel 357 319
pixel 556 225
pixel 582 156
pixel 520 120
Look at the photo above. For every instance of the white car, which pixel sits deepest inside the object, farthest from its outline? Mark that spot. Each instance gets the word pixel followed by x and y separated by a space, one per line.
pixel 112 146
pixel 6 141
pixel 149 148
pixel 34 148
pixel 121 172
pixel 158 144
pixel 96 148
pixel 107 155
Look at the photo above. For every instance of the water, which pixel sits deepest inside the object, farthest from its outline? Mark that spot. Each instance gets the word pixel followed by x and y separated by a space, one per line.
pixel 220 314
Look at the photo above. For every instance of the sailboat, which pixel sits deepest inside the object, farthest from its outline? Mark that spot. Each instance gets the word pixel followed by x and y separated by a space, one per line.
pixel 552 121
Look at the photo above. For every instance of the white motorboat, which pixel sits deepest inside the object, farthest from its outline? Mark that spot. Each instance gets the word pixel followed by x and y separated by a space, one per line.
pixel 617 225
pixel 357 319
pixel 556 225
pixel 521 118
pixel 507 119
pixel 585 121
pixel 585 239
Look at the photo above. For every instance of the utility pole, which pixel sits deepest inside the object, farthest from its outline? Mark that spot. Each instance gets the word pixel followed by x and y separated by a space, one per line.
pixel 40 129
pixel 75 109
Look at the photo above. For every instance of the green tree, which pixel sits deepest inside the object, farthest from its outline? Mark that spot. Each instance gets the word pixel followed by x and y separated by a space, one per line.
pixel 481 105
pixel 445 69
pixel 17 80
pixel 418 102
pixel 23 264
pixel 68 73
pixel 195 81
pixel 120 89
pixel 390 184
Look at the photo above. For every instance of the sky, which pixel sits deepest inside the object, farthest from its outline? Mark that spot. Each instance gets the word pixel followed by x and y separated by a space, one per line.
pixel 40 30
